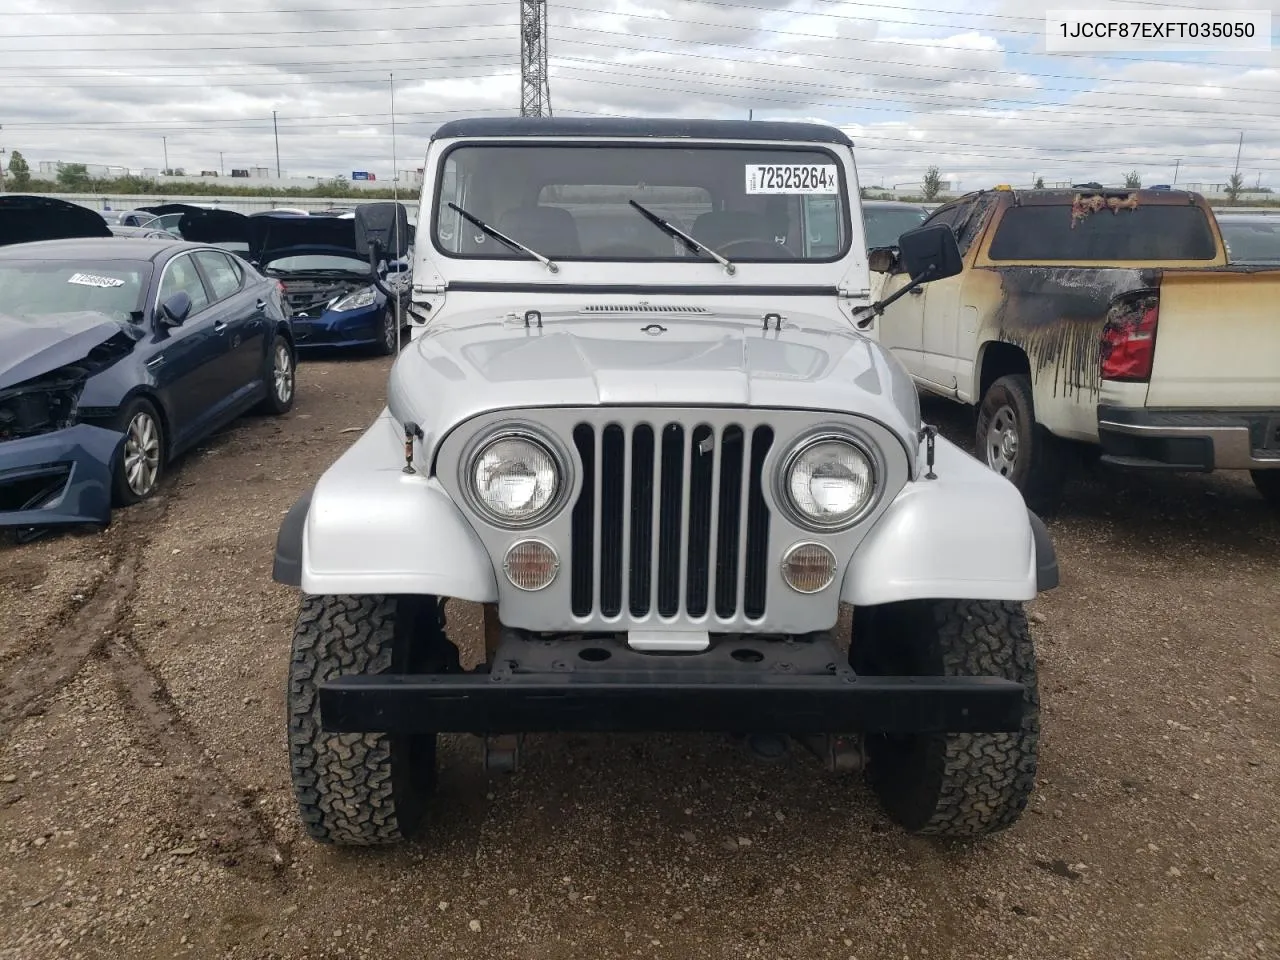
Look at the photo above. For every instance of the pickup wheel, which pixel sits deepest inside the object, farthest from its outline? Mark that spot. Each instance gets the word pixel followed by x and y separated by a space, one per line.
pixel 1268 484
pixel 1010 442
pixel 958 784
pixel 361 788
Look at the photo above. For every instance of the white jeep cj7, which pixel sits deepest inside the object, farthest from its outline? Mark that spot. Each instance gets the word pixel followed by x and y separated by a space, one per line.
pixel 638 422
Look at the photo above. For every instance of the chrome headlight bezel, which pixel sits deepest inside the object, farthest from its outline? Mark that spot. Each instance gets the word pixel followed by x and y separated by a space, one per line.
pixel 782 479
pixel 529 434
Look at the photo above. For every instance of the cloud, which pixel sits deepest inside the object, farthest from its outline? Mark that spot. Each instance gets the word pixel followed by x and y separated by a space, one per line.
pixel 964 86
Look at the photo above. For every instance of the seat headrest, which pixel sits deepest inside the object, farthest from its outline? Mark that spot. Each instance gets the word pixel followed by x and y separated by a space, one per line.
pixel 549 230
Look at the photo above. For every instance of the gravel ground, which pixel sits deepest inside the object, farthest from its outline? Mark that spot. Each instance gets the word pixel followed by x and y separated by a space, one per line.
pixel 145 807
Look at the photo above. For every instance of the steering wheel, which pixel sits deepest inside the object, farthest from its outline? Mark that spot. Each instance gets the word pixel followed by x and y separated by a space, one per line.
pixel 764 249
pixel 625 250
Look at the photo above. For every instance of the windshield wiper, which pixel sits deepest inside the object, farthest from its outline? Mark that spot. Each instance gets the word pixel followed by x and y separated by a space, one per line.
pixel 677 233
pixel 502 237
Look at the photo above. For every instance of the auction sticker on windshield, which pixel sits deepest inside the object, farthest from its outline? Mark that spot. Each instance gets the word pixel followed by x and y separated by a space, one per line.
pixel 91 280
pixel 792 178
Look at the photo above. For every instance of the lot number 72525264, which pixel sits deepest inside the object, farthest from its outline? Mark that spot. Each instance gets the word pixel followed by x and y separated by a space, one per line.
pixel 792 178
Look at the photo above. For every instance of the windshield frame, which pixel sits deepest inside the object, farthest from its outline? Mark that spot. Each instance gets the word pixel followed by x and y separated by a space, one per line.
pixel 146 274
pixel 843 197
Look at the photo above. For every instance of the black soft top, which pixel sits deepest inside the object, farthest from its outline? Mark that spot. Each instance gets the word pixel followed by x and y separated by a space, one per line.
pixel 763 130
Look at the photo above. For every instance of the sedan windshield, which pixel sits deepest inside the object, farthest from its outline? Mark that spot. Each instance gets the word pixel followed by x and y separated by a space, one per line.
pixel 36 288
pixel 885 225
pixel 578 202
pixel 318 264
pixel 1255 240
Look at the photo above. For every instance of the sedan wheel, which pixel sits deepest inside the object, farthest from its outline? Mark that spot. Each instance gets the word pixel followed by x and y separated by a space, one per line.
pixel 283 370
pixel 142 454
pixel 139 466
pixel 389 342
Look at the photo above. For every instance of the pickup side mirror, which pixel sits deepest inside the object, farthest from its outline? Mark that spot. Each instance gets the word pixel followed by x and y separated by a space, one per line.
pixel 384 226
pixel 882 259
pixel 930 253
pixel 176 309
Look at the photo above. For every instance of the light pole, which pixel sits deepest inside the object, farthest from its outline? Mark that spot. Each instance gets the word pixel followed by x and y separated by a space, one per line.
pixel 165 141
pixel 276 128
pixel 219 163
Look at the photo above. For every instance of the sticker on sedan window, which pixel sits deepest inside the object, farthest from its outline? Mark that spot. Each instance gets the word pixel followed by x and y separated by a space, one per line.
pixel 792 178
pixel 91 280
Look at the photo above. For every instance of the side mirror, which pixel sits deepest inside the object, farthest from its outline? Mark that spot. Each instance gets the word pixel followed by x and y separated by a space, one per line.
pixel 930 253
pixel 176 309
pixel 385 225
pixel 882 259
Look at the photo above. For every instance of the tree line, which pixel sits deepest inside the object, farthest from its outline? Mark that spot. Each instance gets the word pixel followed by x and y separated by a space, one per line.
pixel 75 178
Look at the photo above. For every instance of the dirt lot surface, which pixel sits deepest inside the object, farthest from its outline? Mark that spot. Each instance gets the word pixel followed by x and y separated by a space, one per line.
pixel 145 806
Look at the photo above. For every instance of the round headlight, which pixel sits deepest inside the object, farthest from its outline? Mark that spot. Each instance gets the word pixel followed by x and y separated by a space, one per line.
pixel 515 479
pixel 830 482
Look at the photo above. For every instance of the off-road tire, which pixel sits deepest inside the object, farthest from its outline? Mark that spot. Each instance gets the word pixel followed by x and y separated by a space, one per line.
pixel 1040 465
pixel 388 341
pixel 959 784
pixel 1268 484
pixel 359 788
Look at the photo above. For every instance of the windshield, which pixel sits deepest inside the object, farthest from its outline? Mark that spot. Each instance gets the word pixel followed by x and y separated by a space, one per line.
pixel 35 288
pixel 1252 241
pixel 319 262
pixel 885 225
pixel 574 202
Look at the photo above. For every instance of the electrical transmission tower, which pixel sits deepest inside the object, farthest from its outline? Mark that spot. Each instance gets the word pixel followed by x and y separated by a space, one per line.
pixel 535 85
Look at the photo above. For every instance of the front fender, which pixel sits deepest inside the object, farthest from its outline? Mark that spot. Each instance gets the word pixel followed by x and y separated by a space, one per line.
pixel 966 535
pixel 368 527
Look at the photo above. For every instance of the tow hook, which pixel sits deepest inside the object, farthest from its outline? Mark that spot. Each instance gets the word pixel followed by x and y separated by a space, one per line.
pixel 502 753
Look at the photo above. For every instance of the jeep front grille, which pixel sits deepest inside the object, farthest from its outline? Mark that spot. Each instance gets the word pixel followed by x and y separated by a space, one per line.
pixel 670 518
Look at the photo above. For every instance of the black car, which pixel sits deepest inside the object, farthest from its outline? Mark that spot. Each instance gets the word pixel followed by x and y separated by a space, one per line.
pixel 118 354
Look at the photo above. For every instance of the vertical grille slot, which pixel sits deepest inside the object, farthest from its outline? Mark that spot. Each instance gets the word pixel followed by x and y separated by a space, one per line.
pixel 669 526
pixel 612 518
pixel 701 476
pixel 726 571
pixel 755 585
pixel 642 477
pixel 583 539
pixel 671 521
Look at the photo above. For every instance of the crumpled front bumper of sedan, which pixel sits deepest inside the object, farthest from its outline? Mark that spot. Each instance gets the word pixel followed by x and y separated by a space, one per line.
pixel 58 478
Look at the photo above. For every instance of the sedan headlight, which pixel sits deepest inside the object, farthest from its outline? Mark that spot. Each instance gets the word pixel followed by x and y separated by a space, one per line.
pixel 355 301
pixel 515 480
pixel 829 481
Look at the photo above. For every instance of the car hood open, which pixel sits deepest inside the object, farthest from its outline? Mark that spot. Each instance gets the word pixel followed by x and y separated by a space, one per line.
pixel 26 219
pixel 30 349
pixel 270 235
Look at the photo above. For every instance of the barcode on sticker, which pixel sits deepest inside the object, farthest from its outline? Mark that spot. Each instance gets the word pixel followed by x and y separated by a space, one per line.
pixel 92 280
pixel 792 178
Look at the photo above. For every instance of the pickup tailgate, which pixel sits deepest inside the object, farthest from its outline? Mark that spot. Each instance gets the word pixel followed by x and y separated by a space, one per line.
pixel 1217 340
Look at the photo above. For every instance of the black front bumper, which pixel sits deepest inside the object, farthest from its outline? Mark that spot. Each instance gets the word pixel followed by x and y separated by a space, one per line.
pixel 738 685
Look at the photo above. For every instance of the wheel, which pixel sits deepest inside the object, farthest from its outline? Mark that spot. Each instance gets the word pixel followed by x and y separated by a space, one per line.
pixel 958 784
pixel 1010 442
pixel 1268 484
pixel 140 464
pixel 361 788
pixel 389 336
pixel 281 378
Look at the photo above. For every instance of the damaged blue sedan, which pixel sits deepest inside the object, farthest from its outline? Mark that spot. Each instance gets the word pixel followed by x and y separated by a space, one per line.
pixel 117 354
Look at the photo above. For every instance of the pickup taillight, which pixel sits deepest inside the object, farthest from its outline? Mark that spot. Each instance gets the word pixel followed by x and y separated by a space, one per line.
pixel 1129 340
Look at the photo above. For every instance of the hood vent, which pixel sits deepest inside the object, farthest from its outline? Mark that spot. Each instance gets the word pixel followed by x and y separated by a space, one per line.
pixel 640 308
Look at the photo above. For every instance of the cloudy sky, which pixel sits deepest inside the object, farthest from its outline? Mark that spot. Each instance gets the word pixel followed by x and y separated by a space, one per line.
pixel 963 84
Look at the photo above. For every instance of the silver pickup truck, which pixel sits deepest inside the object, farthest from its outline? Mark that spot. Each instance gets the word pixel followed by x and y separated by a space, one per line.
pixel 636 421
